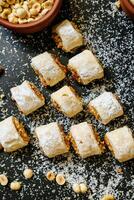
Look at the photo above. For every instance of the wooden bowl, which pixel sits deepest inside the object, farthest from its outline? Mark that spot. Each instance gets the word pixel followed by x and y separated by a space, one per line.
pixel 128 7
pixel 35 26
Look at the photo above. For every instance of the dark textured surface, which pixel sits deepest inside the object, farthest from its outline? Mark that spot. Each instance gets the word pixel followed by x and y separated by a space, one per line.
pixel 110 34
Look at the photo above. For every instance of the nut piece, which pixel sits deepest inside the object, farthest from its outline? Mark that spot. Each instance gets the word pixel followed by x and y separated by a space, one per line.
pixel 30 20
pixel 21 13
pixel 10 2
pixel 76 188
pixel 83 188
pixel 31 3
pixel 15 185
pixel 118 4
pixel 22 21
pixel 5 13
pixel 28 173
pixel 12 18
pixel 37 7
pixel 4 4
pixel 1 9
pixel 108 197
pixel 3 180
pixel 50 176
pixel 119 170
pixel 60 179
pixel 132 1
pixel 33 12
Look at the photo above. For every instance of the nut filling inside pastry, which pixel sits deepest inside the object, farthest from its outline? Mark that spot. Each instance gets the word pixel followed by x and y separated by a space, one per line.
pixel 20 128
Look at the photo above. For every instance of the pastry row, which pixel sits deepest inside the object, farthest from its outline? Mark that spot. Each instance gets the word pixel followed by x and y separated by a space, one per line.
pixel 28 98
pixel 84 68
pixel 54 142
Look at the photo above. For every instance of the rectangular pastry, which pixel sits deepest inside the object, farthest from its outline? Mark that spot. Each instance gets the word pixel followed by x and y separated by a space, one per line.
pixel 67 36
pixel 85 67
pixel 121 143
pixel 27 97
pixel 85 140
pixel 105 107
pixel 12 135
pixel 48 68
pixel 66 101
pixel 52 140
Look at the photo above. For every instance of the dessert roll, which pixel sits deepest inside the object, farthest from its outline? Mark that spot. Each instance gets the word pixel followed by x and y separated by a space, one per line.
pixel 12 135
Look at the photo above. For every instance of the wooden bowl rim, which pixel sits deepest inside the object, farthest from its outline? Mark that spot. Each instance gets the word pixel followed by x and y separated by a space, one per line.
pixel 128 5
pixel 35 23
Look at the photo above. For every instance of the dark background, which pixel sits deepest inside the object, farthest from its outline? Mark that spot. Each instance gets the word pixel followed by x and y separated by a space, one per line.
pixel 110 35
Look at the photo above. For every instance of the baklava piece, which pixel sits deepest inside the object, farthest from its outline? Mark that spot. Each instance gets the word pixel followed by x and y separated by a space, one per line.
pixel 12 135
pixel 105 107
pixel 27 97
pixel 52 140
pixel 67 36
pixel 121 143
pixel 85 140
pixel 85 67
pixel 66 101
pixel 48 68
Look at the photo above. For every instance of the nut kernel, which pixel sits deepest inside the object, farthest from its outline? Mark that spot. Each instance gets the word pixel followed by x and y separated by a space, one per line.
pixel 108 197
pixel 76 188
pixel 60 179
pixel 83 188
pixel 28 173
pixel 3 180
pixel 50 176
pixel 21 13
pixel 15 185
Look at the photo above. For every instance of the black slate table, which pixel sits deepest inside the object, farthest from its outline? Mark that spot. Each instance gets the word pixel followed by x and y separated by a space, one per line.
pixel 110 35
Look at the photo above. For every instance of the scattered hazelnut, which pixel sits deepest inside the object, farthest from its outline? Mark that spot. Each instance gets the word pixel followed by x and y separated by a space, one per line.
pixel 3 180
pixel 119 170
pixel 28 173
pixel 108 197
pixel 83 188
pixel 15 185
pixel 76 188
pixel 118 4
pixel 60 179
pixel 50 176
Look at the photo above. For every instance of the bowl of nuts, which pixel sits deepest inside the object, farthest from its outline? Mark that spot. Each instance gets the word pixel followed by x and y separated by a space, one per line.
pixel 128 7
pixel 28 16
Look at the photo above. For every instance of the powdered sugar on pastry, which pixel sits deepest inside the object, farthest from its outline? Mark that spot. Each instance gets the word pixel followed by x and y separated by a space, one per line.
pixel 70 36
pixel 86 66
pixel 46 66
pixel 107 107
pixel 85 140
pixel 26 98
pixel 67 101
pixel 121 142
pixel 51 140
pixel 10 139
